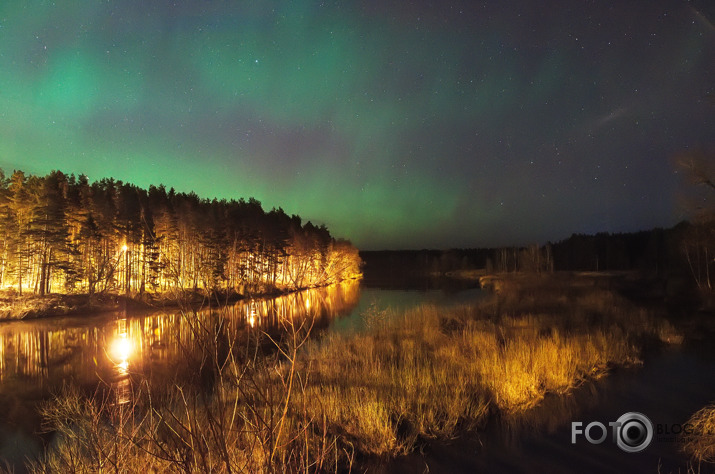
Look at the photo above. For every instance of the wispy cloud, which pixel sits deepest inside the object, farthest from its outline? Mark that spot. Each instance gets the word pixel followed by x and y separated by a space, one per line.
pixel 604 120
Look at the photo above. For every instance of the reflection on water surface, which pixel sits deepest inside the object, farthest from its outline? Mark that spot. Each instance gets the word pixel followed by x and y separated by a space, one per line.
pixel 37 356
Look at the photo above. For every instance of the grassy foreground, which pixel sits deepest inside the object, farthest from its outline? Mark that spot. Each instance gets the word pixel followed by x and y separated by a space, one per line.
pixel 430 373
pixel 314 404
pixel 700 444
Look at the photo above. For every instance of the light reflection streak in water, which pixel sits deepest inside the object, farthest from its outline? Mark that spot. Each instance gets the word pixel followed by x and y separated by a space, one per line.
pixel 120 351
pixel 37 356
pixel 121 348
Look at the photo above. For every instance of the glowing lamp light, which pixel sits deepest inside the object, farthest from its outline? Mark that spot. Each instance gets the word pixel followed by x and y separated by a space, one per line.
pixel 124 248
pixel 121 349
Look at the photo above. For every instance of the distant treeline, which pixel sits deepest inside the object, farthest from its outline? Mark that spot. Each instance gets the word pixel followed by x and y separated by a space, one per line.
pixel 61 233
pixel 655 252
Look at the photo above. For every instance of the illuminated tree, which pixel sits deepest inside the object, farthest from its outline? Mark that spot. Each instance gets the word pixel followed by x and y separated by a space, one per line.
pixel 63 232
pixel 19 205
pixel 47 230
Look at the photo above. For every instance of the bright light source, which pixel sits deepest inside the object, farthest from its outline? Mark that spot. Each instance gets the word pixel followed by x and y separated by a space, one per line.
pixel 121 349
pixel 124 248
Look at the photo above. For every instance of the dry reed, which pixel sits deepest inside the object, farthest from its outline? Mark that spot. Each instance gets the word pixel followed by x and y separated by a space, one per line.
pixel 311 405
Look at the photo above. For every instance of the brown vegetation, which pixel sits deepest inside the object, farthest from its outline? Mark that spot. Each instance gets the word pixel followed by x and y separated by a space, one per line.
pixel 13 306
pixel 700 442
pixel 236 414
pixel 311 405
pixel 430 373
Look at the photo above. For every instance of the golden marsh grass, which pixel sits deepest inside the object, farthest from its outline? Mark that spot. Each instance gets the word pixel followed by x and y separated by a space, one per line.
pixel 420 374
pixel 700 444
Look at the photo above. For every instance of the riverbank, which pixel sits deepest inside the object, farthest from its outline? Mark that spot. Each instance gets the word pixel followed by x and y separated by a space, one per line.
pixel 14 307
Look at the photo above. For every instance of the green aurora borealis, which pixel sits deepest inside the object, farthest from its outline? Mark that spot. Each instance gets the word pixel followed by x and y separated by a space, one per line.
pixel 397 124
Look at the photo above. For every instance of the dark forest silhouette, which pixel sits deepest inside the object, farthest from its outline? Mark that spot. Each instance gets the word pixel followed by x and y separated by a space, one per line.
pixel 671 259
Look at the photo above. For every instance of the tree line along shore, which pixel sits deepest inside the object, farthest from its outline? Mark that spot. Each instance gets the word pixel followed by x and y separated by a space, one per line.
pixel 62 235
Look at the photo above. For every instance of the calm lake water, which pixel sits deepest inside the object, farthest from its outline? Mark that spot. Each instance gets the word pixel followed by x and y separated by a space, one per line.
pixel 38 357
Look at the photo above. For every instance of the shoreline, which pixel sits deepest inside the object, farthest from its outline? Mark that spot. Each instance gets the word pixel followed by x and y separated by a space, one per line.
pixel 60 305
pixel 15 308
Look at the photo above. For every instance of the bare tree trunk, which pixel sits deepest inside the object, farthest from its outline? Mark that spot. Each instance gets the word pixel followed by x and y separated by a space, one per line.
pixel 19 273
pixel 43 272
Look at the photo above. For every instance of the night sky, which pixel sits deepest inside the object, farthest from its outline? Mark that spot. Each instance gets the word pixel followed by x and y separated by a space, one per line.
pixel 398 124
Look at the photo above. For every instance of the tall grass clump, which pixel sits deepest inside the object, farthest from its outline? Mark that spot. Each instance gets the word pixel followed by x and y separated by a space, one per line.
pixel 386 387
pixel 432 372
pixel 700 443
